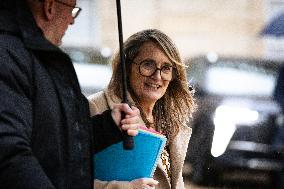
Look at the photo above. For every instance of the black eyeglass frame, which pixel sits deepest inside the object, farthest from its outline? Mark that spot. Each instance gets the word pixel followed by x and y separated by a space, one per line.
pixel 160 69
pixel 78 9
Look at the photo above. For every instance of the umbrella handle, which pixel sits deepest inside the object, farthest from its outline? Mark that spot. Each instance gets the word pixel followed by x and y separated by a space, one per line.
pixel 128 143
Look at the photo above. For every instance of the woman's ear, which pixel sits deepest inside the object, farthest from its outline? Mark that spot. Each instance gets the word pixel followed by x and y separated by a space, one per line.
pixel 49 9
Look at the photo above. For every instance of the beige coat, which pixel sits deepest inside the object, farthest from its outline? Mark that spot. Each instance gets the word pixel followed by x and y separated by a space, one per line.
pixel 102 101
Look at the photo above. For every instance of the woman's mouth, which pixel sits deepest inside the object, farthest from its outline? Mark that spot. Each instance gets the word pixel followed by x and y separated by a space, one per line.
pixel 152 86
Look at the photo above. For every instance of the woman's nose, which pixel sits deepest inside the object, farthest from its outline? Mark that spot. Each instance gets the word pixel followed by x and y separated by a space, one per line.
pixel 157 74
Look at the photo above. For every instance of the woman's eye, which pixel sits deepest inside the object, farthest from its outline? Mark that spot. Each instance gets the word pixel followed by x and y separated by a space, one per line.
pixel 149 64
pixel 167 68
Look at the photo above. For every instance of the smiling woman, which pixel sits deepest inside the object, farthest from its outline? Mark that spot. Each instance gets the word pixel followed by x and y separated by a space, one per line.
pixel 157 84
pixel 146 83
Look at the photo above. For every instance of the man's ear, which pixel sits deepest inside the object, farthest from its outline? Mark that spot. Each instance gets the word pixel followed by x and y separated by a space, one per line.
pixel 49 9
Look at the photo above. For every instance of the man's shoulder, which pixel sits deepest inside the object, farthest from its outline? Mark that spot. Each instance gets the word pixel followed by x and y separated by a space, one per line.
pixel 10 40
pixel 12 47
pixel 15 60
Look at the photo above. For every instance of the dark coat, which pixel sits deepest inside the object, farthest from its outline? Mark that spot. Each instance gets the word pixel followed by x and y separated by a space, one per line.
pixel 46 135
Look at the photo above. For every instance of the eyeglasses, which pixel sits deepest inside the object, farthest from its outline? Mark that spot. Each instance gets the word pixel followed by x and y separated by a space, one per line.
pixel 148 68
pixel 76 10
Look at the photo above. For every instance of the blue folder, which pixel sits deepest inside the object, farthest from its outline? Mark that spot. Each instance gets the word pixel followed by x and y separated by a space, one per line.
pixel 115 163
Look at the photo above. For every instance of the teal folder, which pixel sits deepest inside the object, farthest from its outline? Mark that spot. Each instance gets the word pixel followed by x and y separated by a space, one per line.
pixel 115 163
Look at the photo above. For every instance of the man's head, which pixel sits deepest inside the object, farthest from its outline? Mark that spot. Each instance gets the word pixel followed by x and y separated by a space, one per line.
pixel 54 17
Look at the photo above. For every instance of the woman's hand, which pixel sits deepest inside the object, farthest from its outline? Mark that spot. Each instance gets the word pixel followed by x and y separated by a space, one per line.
pixel 131 121
pixel 143 183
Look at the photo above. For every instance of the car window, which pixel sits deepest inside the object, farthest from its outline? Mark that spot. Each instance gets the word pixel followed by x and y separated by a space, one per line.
pixel 232 77
pixel 238 81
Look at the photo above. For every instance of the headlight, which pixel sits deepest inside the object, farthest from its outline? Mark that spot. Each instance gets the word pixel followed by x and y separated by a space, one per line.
pixel 225 120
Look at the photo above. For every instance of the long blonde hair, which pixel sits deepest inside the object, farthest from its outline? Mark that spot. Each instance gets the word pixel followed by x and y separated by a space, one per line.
pixel 177 104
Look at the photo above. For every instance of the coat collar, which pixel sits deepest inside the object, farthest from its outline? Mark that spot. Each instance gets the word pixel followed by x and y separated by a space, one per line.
pixel 178 149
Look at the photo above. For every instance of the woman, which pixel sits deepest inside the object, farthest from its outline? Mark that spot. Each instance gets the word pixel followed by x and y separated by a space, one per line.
pixel 157 85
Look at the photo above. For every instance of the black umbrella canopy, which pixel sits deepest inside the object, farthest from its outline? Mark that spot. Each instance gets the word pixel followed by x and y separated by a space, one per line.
pixel 275 27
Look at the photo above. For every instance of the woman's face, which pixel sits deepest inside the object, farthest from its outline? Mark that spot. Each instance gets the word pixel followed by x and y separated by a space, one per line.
pixel 148 89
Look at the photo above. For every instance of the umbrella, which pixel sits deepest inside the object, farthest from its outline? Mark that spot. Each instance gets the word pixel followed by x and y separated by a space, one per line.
pixel 128 143
pixel 275 27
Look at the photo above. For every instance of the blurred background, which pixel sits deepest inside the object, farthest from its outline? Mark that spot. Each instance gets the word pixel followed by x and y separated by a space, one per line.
pixel 226 27
pixel 232 66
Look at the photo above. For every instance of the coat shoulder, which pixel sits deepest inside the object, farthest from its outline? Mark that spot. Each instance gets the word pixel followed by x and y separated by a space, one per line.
pixel 14 55
pixel 97 103
pixel 16 64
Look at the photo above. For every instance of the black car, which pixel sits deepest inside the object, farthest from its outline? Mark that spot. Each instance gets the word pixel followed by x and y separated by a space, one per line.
pixel 235 122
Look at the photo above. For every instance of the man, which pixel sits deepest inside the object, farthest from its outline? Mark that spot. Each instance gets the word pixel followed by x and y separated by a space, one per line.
pixel 47 138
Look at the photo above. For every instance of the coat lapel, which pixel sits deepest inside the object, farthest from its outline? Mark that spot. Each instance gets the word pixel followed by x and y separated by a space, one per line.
pixel 160 169
pixel 66 92
pixel 178 148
